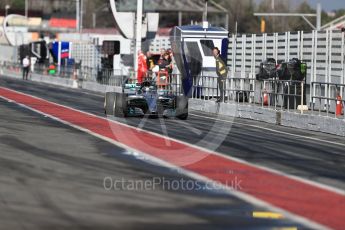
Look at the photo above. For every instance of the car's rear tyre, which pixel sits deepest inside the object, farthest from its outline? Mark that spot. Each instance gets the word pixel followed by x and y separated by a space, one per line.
pixel 115 104
pixel 120 105
pixel 109 100
pixel 181 107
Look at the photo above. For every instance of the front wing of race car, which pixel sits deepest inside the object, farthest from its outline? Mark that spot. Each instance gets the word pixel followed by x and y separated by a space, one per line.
pixel 151 105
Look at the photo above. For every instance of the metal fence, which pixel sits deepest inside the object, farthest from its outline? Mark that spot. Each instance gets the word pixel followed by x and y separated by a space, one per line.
pixel 330 97
pixel 272 93
pixel 110 77
pixel 278 94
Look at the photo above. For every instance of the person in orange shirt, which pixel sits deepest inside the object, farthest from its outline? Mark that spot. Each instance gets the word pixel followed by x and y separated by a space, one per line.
pixel 142 67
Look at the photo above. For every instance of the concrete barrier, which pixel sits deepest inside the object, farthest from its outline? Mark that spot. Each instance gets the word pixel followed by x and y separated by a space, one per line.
pixel 65 82
pixel 53 80
pixel 93 86
pixel 314 123
pixel 285 118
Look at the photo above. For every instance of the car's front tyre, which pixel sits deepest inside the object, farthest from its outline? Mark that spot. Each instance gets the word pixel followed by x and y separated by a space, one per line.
pixel 181 106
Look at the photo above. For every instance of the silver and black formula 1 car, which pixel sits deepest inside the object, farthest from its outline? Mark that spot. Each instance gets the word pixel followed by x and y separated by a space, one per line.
pixel 146 99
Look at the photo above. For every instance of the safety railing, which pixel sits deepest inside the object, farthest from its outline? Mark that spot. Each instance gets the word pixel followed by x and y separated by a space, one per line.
pixel 55 71
pixel 271 93
pixel 276 94
pixel 11 67
pixel 283 94
pixel 105 76
pixel 101 76
pixel 328 98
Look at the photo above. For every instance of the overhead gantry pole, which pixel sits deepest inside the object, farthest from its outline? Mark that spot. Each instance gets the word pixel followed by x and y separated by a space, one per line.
pixel 304 16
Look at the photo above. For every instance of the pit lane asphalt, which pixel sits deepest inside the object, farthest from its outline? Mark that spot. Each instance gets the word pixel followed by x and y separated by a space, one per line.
pixel 313 160
pixel 51 177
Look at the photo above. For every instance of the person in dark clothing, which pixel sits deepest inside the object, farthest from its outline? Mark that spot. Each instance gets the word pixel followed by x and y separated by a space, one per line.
pixel 165 63
pixel 222 73
pixel 165 67
pixel 162 51
pixel 169 51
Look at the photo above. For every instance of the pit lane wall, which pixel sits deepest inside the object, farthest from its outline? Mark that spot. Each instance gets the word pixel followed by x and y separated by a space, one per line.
pixel 312 122
pixel 64 82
